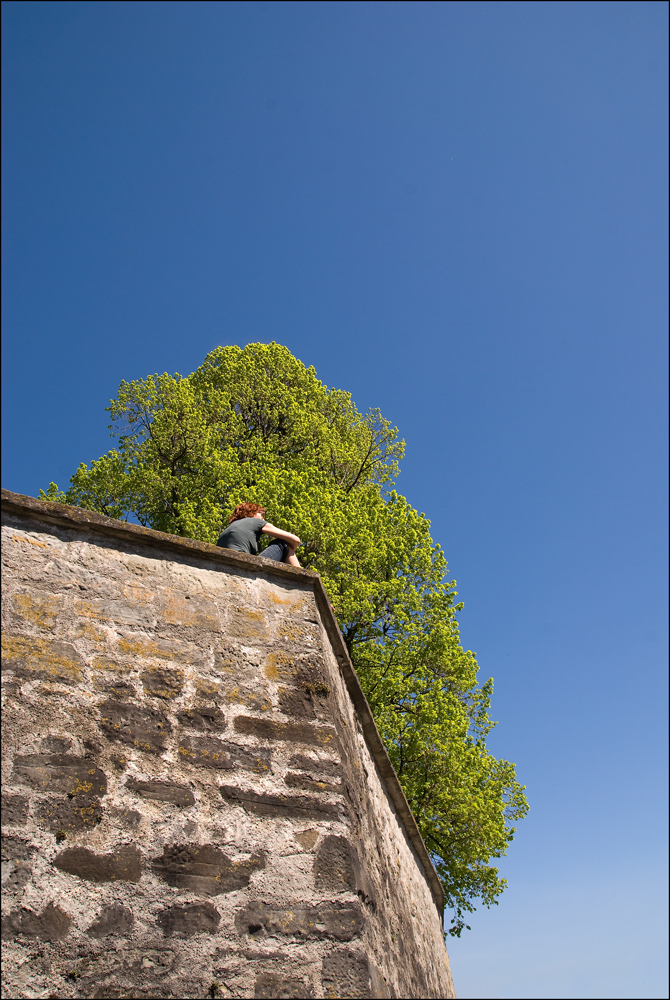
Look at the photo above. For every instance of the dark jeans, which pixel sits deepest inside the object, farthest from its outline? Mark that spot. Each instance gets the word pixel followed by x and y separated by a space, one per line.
pixel 277 549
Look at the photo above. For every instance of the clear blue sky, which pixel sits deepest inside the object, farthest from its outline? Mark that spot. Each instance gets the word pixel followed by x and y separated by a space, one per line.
pixel 456 211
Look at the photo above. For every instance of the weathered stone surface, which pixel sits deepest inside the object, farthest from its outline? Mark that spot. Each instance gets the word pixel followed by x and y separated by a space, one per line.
pixel 209 752
pixel 282 806
pixel 114 919
pixel 125 969
pixel 16 848
pixel 241 686
pixel 52 924
pixel 310 784
pixel 196 918
pixel 270 985
pixel 134 646
pixel 319 766
pixel 60 773
pixel 276 597
pixel 38 607
pixel 55 744
pixel 248 624
pixel 302 633
pixel 297 669
pixel 120 690
pixel 162 791
pixel 335 865
pixel 298 703
pixel 346 973
pixel 160 682
pixel 128 818
pixel 342 921
pixel 123 865
pixel 42 659
pixel 118 610
pixel 208 690
pixel 14 810
pixel 113 677
pixel 205 718
pixel 307 839
pixel 144 728
pixel 20 873
pixel 69 814
pixel 294 732
pixel 282 852
pixel 192 610
pixel 204 869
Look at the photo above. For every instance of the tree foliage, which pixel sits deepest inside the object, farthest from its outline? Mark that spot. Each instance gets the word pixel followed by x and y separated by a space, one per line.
pixel 256 424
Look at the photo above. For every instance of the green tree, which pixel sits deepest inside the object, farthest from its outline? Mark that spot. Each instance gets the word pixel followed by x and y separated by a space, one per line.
pixel 257 424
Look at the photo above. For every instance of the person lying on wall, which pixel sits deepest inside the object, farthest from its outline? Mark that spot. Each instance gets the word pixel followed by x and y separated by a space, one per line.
pixel 245 527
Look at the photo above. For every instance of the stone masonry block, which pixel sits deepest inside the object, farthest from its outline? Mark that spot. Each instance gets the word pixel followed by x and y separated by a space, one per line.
pixel 316 765
pixel 42 659
pixel 152 647
pixel 52 924
pixel 38 607
pixel 204 869
pixel 162 791
pixel 281 806
pixel 307 839
pixel 196 918
pixel 341 921
pixel 293 732
pixel 69 814
pixel 60 773
pixel 248 624
pixel 335 865
pixel 16 848
pixel 123 865
pixel 205 751
pixel 144 728
pixel 14 810
pixel 204 718
pixel 114 919
pixel 298 704
pixel 269 984
pixel 310 784
pixel 119 611
pixel 300 633
pixel 346 973
pixel 196 611
pixel 160 682
pixel 299 669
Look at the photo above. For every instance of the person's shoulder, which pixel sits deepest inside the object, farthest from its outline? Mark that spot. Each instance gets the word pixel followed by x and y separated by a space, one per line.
pixel 254 523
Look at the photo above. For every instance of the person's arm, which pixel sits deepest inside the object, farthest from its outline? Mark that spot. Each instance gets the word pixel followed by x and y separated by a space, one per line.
pixel 269 529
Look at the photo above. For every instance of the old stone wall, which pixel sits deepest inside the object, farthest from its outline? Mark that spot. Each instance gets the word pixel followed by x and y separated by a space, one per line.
pixel 195 800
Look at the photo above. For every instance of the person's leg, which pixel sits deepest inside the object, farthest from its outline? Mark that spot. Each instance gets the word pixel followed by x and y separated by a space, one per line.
pixel 291 558
pixel 281 551
pixel 277 550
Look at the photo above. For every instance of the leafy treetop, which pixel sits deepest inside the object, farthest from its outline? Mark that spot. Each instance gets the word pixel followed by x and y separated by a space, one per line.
pixel 256 424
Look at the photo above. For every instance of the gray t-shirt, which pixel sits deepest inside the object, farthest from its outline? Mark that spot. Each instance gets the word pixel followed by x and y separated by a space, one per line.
pixel 243 535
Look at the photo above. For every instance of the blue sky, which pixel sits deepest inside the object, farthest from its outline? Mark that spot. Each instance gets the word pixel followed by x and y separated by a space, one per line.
pixel 457 212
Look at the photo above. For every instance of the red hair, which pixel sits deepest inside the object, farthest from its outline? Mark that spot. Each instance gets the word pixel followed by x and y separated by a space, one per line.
pixel 245 510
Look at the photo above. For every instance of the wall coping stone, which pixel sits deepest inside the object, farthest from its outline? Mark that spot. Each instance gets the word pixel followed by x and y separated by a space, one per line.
pixel 66 516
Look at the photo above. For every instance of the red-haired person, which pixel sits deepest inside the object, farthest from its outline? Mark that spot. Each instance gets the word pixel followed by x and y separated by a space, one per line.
pixel 245 528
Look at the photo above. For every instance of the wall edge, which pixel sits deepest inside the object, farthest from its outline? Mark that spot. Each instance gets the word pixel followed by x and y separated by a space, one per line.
pixel 76 517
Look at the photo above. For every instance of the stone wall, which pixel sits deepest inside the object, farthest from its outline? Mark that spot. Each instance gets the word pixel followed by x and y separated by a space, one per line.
pixel 196 802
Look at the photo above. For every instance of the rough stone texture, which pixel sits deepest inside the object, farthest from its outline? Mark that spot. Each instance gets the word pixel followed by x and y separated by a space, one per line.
pixel 123 865
pixel 114 919
pixel 195 799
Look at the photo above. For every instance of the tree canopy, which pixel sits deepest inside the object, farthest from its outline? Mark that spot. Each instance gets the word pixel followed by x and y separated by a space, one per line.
pixel 256 424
